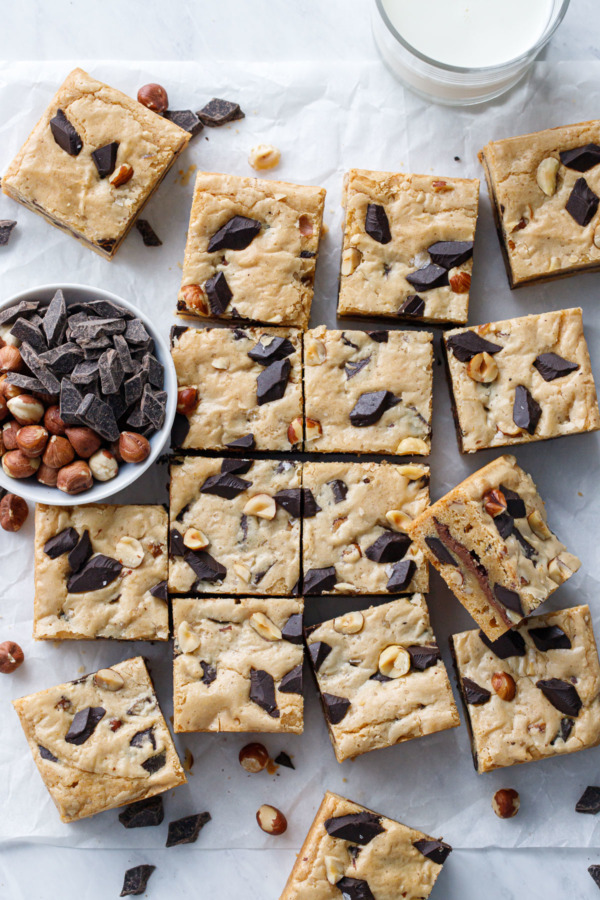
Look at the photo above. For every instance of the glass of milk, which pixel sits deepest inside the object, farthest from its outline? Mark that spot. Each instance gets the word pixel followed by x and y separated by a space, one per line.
pixel 461 52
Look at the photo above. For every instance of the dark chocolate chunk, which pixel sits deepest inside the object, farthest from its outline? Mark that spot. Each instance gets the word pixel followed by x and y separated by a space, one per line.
pixel 39 368
pixel 160 591
pixel 450 254
pixel 122 348
pixel 136 333
pixel 412 306
pixel 105 309
pixel 262 691
pixel 589 802
pixel 318 651
pixel 437 851
pixel 339 488
pixel 26 331
pixel 298 501
pixel 582 204
pixel 6 227
pixel 12 313
pixel 141 738
pixel 133 387
pixel 468 344
pixel 218 292
pixel 515 505
pixel 180 430
pixel 186 119
pixel 149 236
pixel 551 366
pixel 550 638
pixel 46 754
pixel 381 337
pixel 204 566
pixel 509 644
pixel 526 410
pixel 291 683
pixel 86 372
pixel 440 551
pixel 236 466
pixel 509 599
pixel 62 360
pixel 246 442
pixel 218 112
pixel 307 254
pixel 209 673
pixel 370 407
pixel 317 581
pixel 391 546
pixel 176 545
pixel 283 759
pixel 360 828
pixel 111 371
pixel 561 694
pixel 84 724
pixel 154 370
pixel 225 485
pixel 474 693
pixel 65 134
pixel 187 829
pixel 143 814
pixel 595 873
pixel 526 547
pixel 292 630
pixel 564 732
pixel 377 224
pixel 428 277
pixel 346 340
pixel 581 158
pixel 136 420
pixel 424 655
pixel 155 763
pixel 153 407
pixel 25 381
pixel 505 524
pixel 272 381
pixel 354 889
pixel 402 575
pixel 136 880
pixel 236 234
pixel 268 349
pixel 105 158
pixel 98 416
pixel 378 676
pixel 97 573
pixel 80 554
pixel 54 321
pixel 335 707
pixel 353 368
pixel 63 542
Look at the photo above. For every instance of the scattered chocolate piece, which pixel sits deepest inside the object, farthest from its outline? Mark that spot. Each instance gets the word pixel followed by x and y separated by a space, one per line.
pixel 6 227
pixel 589 802
pixel 110 371
pixel 339 488
pixel 236 234
pixel 136 880
pixel 236 466
pixel 377 224
pixel 509 644
pixel 133 388
pixel 160 591
pixel 360 828
pixel 450 254
pixel 186 119
pixel 98 416
pixel 370 407
pixel 391 546
pixel 474 693
pixel 155 371
pixel 354 889
pixel 65 135
pixel 550 638
pixel 561 694
pixel 269 349
pixel 105 159
pixel 46 754
pixel 84 724
pixel 62 360
pixel 204 566
pixel 526 410
pixel 412 306
pixel 581 158
pixel 468 344
pixel 218 112
pixel 25 381
pixel 318 651
pixel 424 655
pixel 272 381
pixel 436 851
pixel 317 581
pixel 282 759
pixel 262 691
pixel 225 485
pixel 153 406
pixel 509 599
pixel 440 551
pixel 155 763
pixel 551 366
pixel 144 813
pixel 97 573
pixel 582 204
pixel 291 683
pixel 218 292
pixel 246 442
pixel 292 630
pixel 402 575
pixel 63 542
pixel 187 829
pixel 149 236
pixel 353 368
pixel 428 277
pixel 595 873
pixel 80 554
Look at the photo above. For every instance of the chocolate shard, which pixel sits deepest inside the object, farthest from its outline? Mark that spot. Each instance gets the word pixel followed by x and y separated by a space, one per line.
pixel 550 638
pixel 353 368
pixel 509 644
pixel 526 410
pixel 54 321
pixel 155 371
pixel 209 672
pixel 526 547
pixel 236 466
pixel 339 488
pixel 111 371
pixel 186 119
pixel 155 763
pixel 509 599
pixel 268 349
pixel 39 368
pixel 25 331
pixel 204 566
pixel 378 676
pixel 582 204
pixel 552 366
pixel 136 880
pixel 468 344
pixel 141 738
pixel 84 724
pixel 354 889
pixel 515 505
pixel 371 406
pixel 424 655
pixel 149 236
pixel 125 358
pixel 60 543
pixel 595 873
pixel 589 802
pixel 391 546
pixel 153 407
pixel 218 112
pixel 136 333
pixel 318 651
pixel 335 707
pixel 428 277
pixel 291 683
pixel 98 416
pixel 219 293
pixel 133 388
pixel 160 591
pixel 6 227
pixel 105 158
pixel 246 442
pixel 402 575
pixel 450 254
pixel 187 829
pixel 360 828
pixel 180 430
pixel 236 234
pixel 143 814
pixel 292 630
pixel 23 308
pixel 307 254
pixel 564 731
pixel 437 851
pixel 62 360
pixel 561 694
pixel 297 502
pixel 505 524
pixel 65 134
pixel 25 381
pixel 46 754
pixel 413 307
pixel 105 309
pixel 474 694
pixel 97 573
pixel 176 545
pixel 283 759
pixel 80 554
pixel 262 691
pixel 377 224
pixel 381 337
pixel 317 581
pixel 86 372
pixel 440 551
pixel 272 381
pixel 581 158
pixel 225 485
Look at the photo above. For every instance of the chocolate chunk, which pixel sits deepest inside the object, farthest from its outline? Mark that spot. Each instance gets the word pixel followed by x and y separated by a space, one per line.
pixel 98 416
pixel 39 368
pixel 509 599
pixel 105 309
pixel 335 707
pixel 474 693
pixel 552 366
pixel 155 763
pixel 317 581
pixel 262 691
pixel 437 851
pixel 12 313
pixel 589 802
pixel 153 407
pixel 136 880
pixel 225 485
pixel 391 546
pixel 105 158
pixel 209 673
pixel 122 348
pixel 377 676
pixel 564 732
pixel 354 889
pixel 6 227
pixel 97 573
pixel 246 442
pixel 65 135
pixel 381 337
pixel 155 371
pixel 318 651
pixel 63 542
pixel 136 420
pixel 45 754
pixel 402 575
pixel 180 430
pixel 272 381
pixel 176 545
pixel 505 524
pixel 307 254
pixel 237 234
pixel 204 566
pixel 282 759
pixel 595 873
pixel 412 306
pixel 186 119
pixel 160 591
pixel 370 407
pixel 423 656
pixel 428 277
pixel 440 551
pixel 54 321
pixel 144 737
pixel 133 388
pixel 187 829
pixel 86 372
pixel 136 333
pixel 526 410
pixel 219 293
pixel 298 501
pixel 450 254
pixel 62 360
pixel 80 554
pixel 468 344
pixel 236 466
pixel 353 368
pixel 143 814
pixel 346 340
pixel 509 644
pixel 111 371
pixel 25 331
pixel 581 158
pixel 291 683
pixel 268 349
pixel 25 381
pixel 582 204
pixel 149 236
pixel 562 695
pixel 526 547
pixel 84 724
pixel 377 224
pixel 89 328
pixel 360 828
pixel 550 638
pixel 292 630
pixel 515 505
pixel 339 488
pixel 218 112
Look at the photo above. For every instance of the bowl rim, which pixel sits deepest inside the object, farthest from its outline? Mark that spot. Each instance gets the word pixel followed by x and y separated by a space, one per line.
pixel 128 472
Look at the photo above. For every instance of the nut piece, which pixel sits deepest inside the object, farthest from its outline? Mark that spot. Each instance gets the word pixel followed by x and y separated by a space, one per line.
pixel 506 803
pixel 187 400
pixel 412 445
pixel 84 440
pixel 351 260
pixel 53 421
pixel 121 175
pixel 394 661
pixel 26 409
pixel 398 519
pixel 271 820
pixel 546 175
pixel 504 685
pixel 192 296
pixel 58 452
pixel 75 478
pixel 264 627
pixel 103 465
pixel 13 512
pixel 195 539
pixel 412 471
pixel 242 572
pixel 441 187
pixel 47 475
pixel 482 368
pixel 264 156
pixel 10 359
pixel 315 352
pixel 334 869
pixel 253 758
pixel 17 465
pixel 134 448
pixel 32 440
pixel 261 505
pixel 351 554
pixel 494 502
pixel 154 97
pixel 188 641
pixel 11 657
pixel 109 680
pixel 294 432
pixel 559 569
pixel 130 552
pixel 538 526
pixel 460 283
pixel 350 623
pixel 313 430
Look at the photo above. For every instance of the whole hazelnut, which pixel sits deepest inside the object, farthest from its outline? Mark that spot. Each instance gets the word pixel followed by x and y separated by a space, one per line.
pixel 194 297
pixel 26 409
pixel 32 440
pixel 134 448
pixel 253 757
pixel 3 409
pixel 47 475
pixel 8 390
pixel 103 465
pixel 13 512
pixel 9 435
pixel 506 803
pixel 53 421
pixel 154 97
pixel 84 440
pixel 114 449
pixel 58 452
pixel 187 400
pixel 17 465
pixel 271 819
pixel 10 359
pixel 504 685
pixel 11 657
pixel 75 478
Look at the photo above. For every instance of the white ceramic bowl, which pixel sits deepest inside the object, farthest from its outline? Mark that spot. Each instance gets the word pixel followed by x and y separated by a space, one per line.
pixel 29 488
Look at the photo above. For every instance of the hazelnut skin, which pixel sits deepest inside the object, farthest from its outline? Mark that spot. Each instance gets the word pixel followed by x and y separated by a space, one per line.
pixel 271 819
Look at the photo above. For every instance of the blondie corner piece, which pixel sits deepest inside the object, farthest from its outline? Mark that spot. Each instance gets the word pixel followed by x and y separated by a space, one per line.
pixel 238 664
pixel 355 853
pixel 381 677
pixel 101 572
pixel 368 391
pixel 100 741
pixel 92 161
pixel 489 539
pixel 532 694
pixel 544 189
pixel 408 246
pixel 521 380
pixel 251 250
pixel 354 528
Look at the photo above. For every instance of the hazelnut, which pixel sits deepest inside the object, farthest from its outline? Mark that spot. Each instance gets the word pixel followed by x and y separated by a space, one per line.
pixel 506 803
pixel 17 465
pixel 264 156
pixel 187 640
pixel 134 448
pixel 334 869
pixel 261 505
pixel 242 572
pixel 53 421
pixel 559 569
pixel 10 359
pixel 315 352
pixel 154 97
pixel 352 553
pixel 13 512
pixel 75 478
pixel 350 623
pixel 11 657
pixel 253 758
pixel 504 685
pixel 398 519
pixel 394 661
pixel 271 820
pixel 538 526
pixel 294 432
pixel 9 435
pixel 187 400
pixel 494 502
pixel 9 390
pixel 114 449
pixel 441 187
pixel 3 409
pixel 264 627
pixel 546 175
pixel 32 440
pixel 351 259
pixel 58 452
pixel 109 680
pixel 412 445
pixel 121 175
pixel 194 297
pixel 130 552
pixel 313 430
pixel 305 224
pixel 84 441
pixel 103 465
pixel 26 409
pixel 460 282
pixel 195 539
pixel 413 471
pixel 47 475
pixel 482 368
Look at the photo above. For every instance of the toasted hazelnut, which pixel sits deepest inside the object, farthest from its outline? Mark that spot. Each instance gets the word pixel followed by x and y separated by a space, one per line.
pixel 441 187
pixel 305 224
pixel 194 297
pixel 338 522
pixel 261 505
pixel 265 627
pixel 538 526
pixel 504 685
pixel 195 539
pixel 58 452
pixel 334 869
pixel 53 421
pixel 351 260
pixel 103 465
pixel 188 641
pixel 482 368
pixel 315 352
pixel 412 445
pixel 494 502
pixel 9 390
pixel 313 430
pixel 460 282
pixel 47 475
pixel 351 554
pixel 32 440
pixel 220 364
pixel 350 623
pixel 398 519
pixel 10 359
pixel 134 448
pixel 129 552
pixel 294 432
pixel 9 435
pixel 121 175
pixel 75 478
pixel 412 471
pixel 264 156
pixel 394 661
pixel 254 758
pixel 11 657
pixel 13 512
pixel 271 819
pixel 26 409
pixel 242 572
pixel 187 400
pixel 84 441
pixel 154 97
pixel 3 409
pixel 109 680
pixel 17 465
pixel 546 175
pixel 560 568
pixel 506 803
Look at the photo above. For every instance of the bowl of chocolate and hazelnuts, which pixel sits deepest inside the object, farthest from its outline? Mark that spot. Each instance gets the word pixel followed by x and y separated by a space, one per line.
pixel 87 394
